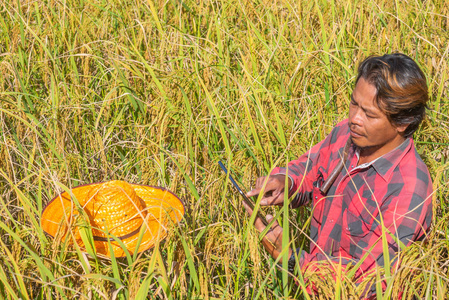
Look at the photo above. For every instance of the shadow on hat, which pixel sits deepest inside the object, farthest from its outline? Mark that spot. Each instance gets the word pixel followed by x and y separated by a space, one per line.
pixel 116 213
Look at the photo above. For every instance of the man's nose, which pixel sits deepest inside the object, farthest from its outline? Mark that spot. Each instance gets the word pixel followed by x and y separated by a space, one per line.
pixel 356 118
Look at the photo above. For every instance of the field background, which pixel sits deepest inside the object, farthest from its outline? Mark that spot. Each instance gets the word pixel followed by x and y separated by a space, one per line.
pixel 156 93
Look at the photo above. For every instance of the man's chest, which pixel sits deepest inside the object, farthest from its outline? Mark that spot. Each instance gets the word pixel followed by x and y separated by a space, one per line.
pixel 353 203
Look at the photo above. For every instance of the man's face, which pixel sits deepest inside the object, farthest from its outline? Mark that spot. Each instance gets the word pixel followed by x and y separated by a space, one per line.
pixel 370 128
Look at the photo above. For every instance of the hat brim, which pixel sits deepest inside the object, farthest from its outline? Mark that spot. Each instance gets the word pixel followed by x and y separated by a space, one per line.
pixel 163 209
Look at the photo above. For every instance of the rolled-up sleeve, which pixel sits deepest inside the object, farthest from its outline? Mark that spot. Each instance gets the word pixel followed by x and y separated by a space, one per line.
pixel 303 171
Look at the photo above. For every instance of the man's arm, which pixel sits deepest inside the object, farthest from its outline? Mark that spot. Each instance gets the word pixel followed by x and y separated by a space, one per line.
pixel 302 172
pixel 402 221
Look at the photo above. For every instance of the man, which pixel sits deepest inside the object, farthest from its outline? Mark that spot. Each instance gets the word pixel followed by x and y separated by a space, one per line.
pixel 382 189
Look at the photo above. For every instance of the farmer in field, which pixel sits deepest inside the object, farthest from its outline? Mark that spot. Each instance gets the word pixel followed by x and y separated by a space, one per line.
pixel 382 188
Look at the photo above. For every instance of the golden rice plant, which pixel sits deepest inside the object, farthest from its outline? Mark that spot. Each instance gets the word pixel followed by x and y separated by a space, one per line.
pixel 156 92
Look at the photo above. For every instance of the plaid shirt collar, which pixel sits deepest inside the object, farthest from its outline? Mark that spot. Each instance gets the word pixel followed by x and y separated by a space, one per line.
pixel 385 164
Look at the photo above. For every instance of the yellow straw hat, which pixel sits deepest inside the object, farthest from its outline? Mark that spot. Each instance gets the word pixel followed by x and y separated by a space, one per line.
pixel 116 210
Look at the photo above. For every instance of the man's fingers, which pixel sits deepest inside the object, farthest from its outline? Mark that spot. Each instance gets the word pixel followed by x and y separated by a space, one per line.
pixel 259 185
pixel 270 190
pixel 273 235
pixel 276 199
pixel 260 181
pixel 259 225
pixel 269 219
pixel 253 192
pixel 247 208
pixel 267 201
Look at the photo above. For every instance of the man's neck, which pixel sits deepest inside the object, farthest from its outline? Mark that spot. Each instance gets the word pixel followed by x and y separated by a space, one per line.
pixel 369 154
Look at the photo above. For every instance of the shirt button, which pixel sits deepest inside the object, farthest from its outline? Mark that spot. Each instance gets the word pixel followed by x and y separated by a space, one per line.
pixel 352 166
pixel 316 197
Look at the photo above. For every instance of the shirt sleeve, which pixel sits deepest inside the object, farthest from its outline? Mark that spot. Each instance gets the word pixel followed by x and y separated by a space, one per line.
pixel 303 171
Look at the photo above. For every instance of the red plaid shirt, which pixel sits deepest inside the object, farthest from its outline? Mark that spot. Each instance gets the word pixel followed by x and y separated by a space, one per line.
pixel 346 222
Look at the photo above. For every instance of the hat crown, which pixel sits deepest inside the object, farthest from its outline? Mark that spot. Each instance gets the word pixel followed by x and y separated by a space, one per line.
pixel 114 207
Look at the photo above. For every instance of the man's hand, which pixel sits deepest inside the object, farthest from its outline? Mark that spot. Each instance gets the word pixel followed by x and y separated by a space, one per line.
pixel 273 191
pixel 272 241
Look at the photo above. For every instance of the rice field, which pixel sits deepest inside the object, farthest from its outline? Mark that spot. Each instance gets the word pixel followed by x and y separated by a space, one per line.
pixel 156 93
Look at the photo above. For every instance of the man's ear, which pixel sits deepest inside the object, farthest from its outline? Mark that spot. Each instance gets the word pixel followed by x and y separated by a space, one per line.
pixel 401 128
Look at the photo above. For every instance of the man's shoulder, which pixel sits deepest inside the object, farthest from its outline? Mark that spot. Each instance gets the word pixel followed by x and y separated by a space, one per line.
pixel 409 182
pixel 414 173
